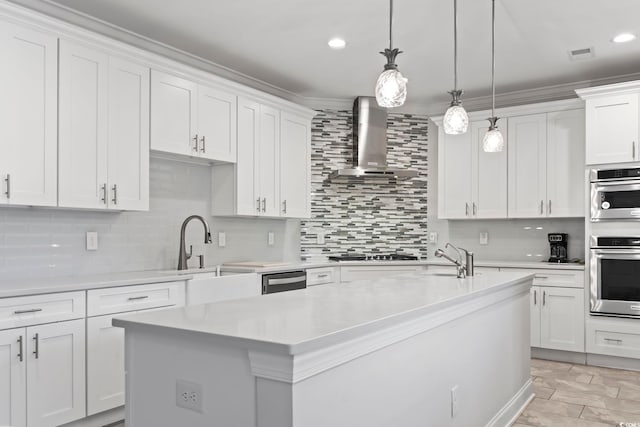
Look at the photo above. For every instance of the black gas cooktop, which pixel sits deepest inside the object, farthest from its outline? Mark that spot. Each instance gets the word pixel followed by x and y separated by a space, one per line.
pixel 374 257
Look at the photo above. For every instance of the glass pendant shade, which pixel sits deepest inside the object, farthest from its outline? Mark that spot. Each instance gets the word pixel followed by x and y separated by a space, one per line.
pixel 456 120
pixel 391 89
pixel 493 141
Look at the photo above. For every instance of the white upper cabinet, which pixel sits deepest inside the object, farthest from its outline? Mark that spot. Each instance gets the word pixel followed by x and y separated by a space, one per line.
pixel 193 120
pixel 612 123
pixel 471 183
pixel 527 145
pixel 28 111
pixel 104 137
pixel 268 160
pixel 295 166
pixel 245 172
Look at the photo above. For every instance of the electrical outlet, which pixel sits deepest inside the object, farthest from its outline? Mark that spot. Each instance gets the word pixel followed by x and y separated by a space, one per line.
pixel 189 395
pixel 320 238
pixel 92 240
pixel 222 239
pixel 484 238
pixel 271 238
pixel 454 401
pixel 433 237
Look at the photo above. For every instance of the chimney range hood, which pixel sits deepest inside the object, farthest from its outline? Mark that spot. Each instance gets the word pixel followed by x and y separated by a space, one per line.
pixel 370 144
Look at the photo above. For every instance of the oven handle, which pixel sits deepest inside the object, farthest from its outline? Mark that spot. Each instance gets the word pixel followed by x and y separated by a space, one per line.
pixel 632 183
pixel 286 281
pixel 631 252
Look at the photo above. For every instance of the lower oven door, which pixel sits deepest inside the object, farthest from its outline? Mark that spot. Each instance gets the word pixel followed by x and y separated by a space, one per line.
pixel 615 282
pixel 285 281
pixel 615 200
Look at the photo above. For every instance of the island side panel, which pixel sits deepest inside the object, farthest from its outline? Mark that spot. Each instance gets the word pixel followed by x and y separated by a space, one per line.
pixel 486 354
pixel 160 358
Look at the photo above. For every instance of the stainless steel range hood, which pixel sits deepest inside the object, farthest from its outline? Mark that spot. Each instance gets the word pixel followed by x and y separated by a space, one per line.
pixel 370 143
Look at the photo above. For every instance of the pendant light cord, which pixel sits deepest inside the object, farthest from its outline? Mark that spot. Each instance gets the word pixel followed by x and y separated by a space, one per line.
pixel 390 24
pixel 455 44
pixel 493 58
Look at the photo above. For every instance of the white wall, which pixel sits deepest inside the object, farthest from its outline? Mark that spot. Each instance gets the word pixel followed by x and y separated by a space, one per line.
pixel 38 242
pixel 509 239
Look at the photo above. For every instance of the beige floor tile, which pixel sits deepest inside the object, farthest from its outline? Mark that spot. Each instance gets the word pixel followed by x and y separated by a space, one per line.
pixel 628 383
pixel 542 392
pixel 555 374
pixel 628 394
pixel 544 419
pixel 550 364
pixel 595 401
pixel 608 372
pixel 595 389
pixel 609 416
pixel 555 407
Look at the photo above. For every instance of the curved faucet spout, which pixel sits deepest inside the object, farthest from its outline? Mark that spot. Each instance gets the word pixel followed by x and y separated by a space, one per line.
pixel 183 256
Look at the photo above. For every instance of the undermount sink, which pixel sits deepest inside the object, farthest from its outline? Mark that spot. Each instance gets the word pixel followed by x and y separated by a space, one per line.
pixel 442 274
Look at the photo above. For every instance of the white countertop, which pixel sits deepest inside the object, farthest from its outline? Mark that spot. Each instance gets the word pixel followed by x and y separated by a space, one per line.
pixel 322 315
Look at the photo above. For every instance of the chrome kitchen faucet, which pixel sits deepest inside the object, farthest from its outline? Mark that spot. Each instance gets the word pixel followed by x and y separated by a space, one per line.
pixel 184 256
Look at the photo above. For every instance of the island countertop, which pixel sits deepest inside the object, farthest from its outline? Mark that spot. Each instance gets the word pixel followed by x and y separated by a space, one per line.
pixel 312 318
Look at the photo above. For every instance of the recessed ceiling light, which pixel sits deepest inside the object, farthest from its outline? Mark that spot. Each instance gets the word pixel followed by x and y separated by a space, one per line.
pixel 623 38
pixel 337 43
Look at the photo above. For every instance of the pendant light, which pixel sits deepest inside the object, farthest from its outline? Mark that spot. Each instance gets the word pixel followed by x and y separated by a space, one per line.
pixel 456 120
pixel 391 87
pixel 493 141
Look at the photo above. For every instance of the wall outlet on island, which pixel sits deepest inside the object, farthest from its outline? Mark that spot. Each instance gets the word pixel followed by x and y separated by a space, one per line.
pixel 189 395
pixel 484 238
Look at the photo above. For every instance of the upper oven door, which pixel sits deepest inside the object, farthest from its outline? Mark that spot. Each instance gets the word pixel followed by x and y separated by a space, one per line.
pixel 615 200
pixel 615 281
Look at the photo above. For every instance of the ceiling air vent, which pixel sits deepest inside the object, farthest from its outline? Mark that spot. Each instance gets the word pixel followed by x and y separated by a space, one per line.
pixel 581 54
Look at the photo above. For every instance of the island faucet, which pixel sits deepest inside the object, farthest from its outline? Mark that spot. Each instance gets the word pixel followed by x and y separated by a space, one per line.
pixel 463 270
pixel 184 256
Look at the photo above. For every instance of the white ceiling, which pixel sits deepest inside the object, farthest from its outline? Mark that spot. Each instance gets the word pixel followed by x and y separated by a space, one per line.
pixel 284 42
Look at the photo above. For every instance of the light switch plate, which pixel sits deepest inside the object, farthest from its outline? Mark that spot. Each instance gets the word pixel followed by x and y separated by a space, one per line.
pixel 222 239
pixel 433 237
pixel 484 238
pixel 92 240
pixel 271 238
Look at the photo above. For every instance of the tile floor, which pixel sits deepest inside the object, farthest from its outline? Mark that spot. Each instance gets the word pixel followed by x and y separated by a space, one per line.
pixel 581 396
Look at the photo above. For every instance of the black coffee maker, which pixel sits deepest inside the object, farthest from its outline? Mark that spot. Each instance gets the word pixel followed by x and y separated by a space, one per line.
pixel 558 243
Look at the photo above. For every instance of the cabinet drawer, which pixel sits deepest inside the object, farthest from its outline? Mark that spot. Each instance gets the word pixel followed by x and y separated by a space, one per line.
pixel 548 277
pixel 322 276
pixel 614 338
pixel 130 298
pixel 36 309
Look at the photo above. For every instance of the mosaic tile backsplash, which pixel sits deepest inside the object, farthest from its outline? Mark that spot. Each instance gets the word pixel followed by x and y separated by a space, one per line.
pixel 366 215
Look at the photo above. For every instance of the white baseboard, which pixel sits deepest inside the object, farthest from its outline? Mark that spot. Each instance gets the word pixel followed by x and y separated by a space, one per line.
pixel 613 362
pixel 559 355
pixel 512 410
pixel 105 418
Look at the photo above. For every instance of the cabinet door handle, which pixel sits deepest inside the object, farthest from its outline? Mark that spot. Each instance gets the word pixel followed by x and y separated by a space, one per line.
pixel 8 181
pixel 103 188
pixel 475 210
pixel 549 206
pixel 36 349
pixel 138 298
pixel 544 297
pixel 115 194
pixel 264 204
pixel 195 147
pixel 20 353
pixel 466 209
pixel 284 207
pixel 613 340
pixel 32 310
pixel 535 297
pixel 258 204
pixel 541 207
pixel 204 145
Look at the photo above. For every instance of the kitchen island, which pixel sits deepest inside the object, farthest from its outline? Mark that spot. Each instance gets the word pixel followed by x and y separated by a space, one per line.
pixel 415 350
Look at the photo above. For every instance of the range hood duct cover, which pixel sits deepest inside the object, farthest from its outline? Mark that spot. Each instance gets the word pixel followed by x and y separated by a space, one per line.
pixel 370 143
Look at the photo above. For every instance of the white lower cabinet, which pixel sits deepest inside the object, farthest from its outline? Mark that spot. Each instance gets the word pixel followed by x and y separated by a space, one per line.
pixel 559 313
pixel 613 336
pixel 207 287
pixel 323 276
pixel 13 378
pixel 370 272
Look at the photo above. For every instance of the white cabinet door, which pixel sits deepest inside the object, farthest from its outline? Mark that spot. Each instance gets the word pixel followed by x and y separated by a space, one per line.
pixel 489 172
pixel 82 144
pixel 56 373
pixel 173 114
pixel 295 166
pixel 105 365
pixel 268 155
pixel 454 175
pixel 527 166
pixel 565 163
pixel 28 117
pixel 247 177
pixel 534 306
pixel 612 129
pixel 562 319
pixel 216 124
pixel 13 377
pixel 128 141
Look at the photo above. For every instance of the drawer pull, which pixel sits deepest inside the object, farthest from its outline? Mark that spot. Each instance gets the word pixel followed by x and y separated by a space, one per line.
pixel 36 350
pixel 20 353
pixel 138 298
pixel 544 298
pixel 535 297
pixel 33 310
pixel 322 276
pixel 613 340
